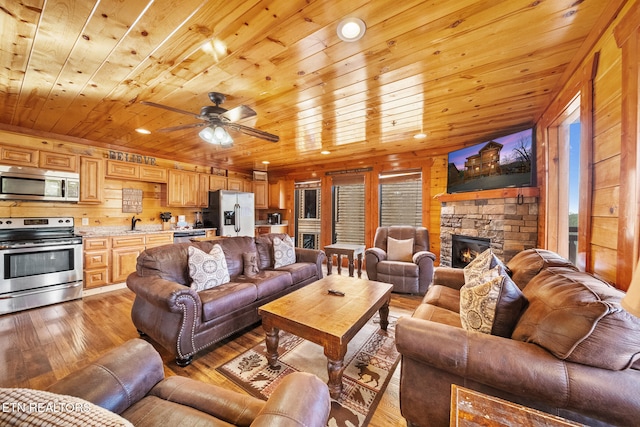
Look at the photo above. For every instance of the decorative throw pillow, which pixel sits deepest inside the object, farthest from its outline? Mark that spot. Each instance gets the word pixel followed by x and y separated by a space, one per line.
pixel 491 304
pixel 29 407
pixel 480 264
pixel 399 250
pixel 207 270
pixel 250 260
pixel 283 252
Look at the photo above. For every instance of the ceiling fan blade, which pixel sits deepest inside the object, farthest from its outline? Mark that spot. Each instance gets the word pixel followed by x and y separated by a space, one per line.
pixel 175 110
pixel 188 126
pixel 253 132
pixel 238 113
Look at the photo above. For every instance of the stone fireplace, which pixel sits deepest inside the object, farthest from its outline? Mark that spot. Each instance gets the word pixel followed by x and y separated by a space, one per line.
pixel 507 220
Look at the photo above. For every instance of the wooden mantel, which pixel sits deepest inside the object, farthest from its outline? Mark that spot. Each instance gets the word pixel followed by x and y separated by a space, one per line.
pixel 500 193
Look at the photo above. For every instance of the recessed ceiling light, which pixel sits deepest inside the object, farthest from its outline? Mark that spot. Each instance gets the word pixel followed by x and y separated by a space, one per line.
pixel 325 152
pixel 420 135
pixel 265 162
pixel 351 29
pixel 143 131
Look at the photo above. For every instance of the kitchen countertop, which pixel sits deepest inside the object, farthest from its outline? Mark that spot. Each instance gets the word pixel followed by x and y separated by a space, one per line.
pixel 113 231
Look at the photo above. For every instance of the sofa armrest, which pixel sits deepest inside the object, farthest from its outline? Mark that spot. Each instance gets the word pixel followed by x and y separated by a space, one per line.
pixel 301 399
pixel 311 255
pixel 162 293
pixel 449 277
pixel 235 408
pixel 372 256
pixel 117 379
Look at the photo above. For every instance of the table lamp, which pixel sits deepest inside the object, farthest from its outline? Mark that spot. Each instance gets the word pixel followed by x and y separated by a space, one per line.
pixel 631 301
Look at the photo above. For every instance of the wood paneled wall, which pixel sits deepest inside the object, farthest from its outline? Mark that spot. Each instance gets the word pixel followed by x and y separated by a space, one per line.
pixel 607 80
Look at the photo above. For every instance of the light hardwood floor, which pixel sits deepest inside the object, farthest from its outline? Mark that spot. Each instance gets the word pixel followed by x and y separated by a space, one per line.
pixel 45 344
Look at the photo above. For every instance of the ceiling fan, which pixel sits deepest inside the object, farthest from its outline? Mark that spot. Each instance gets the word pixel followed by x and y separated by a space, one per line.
pixel 217 120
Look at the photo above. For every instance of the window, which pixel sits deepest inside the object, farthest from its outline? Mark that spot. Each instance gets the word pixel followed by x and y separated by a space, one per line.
pixel 564 196
pixel 348 209
pixel 307 199
pixel 401 198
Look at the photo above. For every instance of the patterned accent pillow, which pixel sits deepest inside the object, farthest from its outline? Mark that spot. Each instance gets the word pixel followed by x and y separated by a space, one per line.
pixel 399 250
pixel 491 304
pixel 283 252
pixel 207 270
pixel 250 260
pixel 28 407
pixel 480 264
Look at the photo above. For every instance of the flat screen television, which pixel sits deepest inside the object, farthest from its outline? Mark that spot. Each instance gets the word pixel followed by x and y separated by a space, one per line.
pixel 502 162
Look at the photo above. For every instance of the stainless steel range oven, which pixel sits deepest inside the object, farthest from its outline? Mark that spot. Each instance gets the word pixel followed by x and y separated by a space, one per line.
pixel 40 262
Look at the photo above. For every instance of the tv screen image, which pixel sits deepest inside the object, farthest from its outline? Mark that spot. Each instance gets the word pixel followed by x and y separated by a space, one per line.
pixel 502 162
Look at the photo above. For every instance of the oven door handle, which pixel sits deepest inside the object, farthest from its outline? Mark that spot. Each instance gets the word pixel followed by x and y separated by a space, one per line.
pixel 20 294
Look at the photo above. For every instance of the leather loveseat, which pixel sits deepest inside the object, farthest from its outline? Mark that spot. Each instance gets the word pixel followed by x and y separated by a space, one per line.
pixel 570 351
pixel 129 381
pixel 186 321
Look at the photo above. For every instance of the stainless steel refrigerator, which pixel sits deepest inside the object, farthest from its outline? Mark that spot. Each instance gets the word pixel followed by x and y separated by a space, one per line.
pixel 232 213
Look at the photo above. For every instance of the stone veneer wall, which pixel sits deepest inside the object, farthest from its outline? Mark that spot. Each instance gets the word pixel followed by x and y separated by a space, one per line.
pixel 511 226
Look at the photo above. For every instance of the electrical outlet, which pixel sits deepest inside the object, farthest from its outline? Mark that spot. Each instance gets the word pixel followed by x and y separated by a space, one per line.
pixel 85 221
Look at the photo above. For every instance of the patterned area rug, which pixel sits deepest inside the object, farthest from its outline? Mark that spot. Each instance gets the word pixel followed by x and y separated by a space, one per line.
pixel 370 361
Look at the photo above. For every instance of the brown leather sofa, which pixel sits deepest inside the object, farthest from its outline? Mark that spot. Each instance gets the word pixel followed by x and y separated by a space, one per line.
pixel 185 321
pixel 129 381
pixel 571 353
pixel 410 277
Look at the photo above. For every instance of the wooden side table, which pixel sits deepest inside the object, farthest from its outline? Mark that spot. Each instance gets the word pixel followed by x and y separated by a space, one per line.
pixel 351 251
pixel 470 408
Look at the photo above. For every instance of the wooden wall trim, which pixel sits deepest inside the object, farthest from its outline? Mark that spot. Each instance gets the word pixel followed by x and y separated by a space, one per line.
pixel 583 257
pixel 627 36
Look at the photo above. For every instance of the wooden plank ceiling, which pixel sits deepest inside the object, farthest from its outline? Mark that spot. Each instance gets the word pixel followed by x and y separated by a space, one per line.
pixel 461 70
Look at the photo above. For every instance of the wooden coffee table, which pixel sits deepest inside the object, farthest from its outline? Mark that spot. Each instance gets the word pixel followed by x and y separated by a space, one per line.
pixel 328 320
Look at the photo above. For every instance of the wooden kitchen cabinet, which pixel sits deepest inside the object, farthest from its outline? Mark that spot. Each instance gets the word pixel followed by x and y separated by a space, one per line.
pixel 135 172
pixel 261 194
pixel 235 184
pixel 124 255
pixel 122 170
pixel 276 195
pixel 203 190
pixel 182 189
pixel 58 161
pixel 152 174
pixel 12 155
pixel 217 182
pixel 96 262
pixel 109 260
pixel 158 239
pixel 91 180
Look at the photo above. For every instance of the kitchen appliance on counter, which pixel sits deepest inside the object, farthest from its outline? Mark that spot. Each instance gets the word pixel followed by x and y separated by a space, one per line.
pixel 198 221
pixel 25 183
pixel 274 219
pixel 40 262
pixel 231 213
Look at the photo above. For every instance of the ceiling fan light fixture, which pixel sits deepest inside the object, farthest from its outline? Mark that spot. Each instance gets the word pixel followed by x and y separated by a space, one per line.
pixel 351 29
pixel 216 135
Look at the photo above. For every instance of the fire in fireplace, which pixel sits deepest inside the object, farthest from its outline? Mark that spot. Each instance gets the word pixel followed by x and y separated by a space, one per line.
pixel 464 249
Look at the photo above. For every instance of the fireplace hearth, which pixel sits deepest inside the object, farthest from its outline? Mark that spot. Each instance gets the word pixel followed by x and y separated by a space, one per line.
pixel 464 249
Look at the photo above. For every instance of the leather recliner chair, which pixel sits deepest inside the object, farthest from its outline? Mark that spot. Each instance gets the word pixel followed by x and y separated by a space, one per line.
pixel 407 276
pixel 129 380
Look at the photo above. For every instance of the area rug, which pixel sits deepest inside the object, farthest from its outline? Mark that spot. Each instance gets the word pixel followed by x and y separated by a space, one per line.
pixel 370 361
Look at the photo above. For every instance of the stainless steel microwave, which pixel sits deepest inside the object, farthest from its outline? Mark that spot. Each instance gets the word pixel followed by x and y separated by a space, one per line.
pixel 25 183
